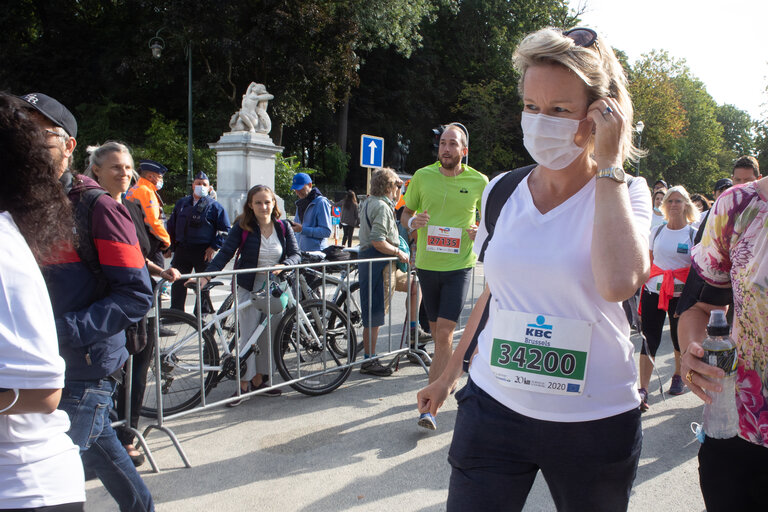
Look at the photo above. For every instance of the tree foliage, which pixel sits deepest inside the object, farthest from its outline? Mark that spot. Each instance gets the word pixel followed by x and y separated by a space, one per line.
pixel 682 134
pixel 337 69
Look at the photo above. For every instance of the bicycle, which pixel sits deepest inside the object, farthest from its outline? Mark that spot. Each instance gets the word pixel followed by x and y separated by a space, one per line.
pixel 317 349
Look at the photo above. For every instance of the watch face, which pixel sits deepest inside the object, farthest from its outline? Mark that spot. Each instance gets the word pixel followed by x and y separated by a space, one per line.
pixel 618 173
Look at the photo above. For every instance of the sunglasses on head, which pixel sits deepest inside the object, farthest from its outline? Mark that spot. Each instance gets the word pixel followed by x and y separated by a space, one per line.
pixel 584 37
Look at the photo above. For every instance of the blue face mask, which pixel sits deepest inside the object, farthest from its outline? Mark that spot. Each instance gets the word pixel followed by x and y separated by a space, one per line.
pixel 201 191
pixel 159 185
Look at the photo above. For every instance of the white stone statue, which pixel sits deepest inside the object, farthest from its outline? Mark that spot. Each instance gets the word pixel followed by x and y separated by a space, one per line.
pixel 252 116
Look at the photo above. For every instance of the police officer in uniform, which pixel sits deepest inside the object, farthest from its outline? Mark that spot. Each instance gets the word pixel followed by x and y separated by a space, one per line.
pixel 197 227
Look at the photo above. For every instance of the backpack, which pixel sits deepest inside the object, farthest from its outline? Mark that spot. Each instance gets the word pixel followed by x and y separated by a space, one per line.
pixel 85 246
pixel 135 334
pixel 497 198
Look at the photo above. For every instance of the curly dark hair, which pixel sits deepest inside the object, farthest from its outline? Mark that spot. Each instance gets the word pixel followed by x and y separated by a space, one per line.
pixel 31 191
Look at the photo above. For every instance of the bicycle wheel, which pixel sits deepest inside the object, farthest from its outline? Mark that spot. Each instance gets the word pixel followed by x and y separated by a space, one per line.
pixel 180 365
pixel 302 355
pixel 228 323
pixel 353 312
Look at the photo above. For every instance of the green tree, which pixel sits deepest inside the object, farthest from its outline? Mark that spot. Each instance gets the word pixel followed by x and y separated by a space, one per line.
pixel 167 144
pixel 738 130
pixel 682 135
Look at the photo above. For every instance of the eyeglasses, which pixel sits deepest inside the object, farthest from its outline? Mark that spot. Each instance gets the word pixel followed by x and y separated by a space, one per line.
pixel 584 37
pixel 48 132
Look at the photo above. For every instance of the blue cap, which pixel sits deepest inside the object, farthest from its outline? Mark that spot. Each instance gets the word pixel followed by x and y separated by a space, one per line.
pixel 152 166
pixel 201 176
pixel 300 180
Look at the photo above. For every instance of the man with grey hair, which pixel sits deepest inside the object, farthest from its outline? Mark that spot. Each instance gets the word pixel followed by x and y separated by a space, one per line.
pixel 97 289
pixel 60 129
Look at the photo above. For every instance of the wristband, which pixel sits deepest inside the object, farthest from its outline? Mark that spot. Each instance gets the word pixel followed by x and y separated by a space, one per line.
pixel 410 222
pixel 13 402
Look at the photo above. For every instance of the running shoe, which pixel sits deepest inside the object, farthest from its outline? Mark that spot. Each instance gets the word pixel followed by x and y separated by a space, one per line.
pixel 426 420
pixel 677 387
pixel 375 368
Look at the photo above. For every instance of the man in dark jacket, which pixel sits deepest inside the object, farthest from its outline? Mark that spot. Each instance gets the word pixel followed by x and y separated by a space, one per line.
pixel 197 226
pixel 92 307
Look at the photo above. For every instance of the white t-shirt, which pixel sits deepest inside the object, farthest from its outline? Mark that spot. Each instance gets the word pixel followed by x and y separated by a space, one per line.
pixel 671 250
pixel 39 464
pixel 270 250
pixel 540 264
pixel 656 221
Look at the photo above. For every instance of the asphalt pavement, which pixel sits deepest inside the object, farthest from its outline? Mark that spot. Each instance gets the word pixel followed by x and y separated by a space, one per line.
pixel 359 449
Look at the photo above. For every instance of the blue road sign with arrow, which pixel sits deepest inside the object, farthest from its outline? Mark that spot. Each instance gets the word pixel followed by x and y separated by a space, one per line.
pixel 371 151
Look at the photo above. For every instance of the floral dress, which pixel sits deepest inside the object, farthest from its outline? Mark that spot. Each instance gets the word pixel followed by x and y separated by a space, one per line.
pixel 734 249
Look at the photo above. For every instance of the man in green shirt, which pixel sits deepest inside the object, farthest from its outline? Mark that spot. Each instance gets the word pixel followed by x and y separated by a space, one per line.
pixel 447 197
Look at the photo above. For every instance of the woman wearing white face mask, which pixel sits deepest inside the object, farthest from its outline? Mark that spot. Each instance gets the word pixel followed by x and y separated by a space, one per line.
pixel 552 382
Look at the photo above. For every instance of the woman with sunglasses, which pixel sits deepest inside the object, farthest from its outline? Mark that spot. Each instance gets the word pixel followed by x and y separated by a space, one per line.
pixel 670 247
pixel 552 382
pixel 258 238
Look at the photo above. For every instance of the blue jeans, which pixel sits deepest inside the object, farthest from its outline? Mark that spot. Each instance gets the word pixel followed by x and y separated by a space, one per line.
pixel 88 404
pixel 496 454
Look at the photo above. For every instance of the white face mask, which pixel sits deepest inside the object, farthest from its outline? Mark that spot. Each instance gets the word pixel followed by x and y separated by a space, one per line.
pixel 159 185
pixel 549 139
pixel 201 191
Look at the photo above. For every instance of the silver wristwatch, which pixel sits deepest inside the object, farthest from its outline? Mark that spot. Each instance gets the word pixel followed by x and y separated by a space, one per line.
pixel 615 173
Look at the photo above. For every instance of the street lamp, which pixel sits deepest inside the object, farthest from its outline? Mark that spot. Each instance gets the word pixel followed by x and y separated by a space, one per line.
pixel 157 45
pixel 639 129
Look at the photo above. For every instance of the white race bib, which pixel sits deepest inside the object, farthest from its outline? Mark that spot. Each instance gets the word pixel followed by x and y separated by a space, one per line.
pixel 443 239
pixel 543 354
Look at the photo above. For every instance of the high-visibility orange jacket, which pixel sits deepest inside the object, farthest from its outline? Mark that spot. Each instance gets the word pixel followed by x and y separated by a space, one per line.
pixel 144 193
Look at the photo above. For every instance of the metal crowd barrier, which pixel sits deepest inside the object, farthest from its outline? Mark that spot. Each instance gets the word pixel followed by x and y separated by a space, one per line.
pixel 161 418
pixel 477 284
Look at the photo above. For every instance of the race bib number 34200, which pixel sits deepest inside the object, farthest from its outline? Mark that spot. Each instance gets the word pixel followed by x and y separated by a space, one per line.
pixel 539 353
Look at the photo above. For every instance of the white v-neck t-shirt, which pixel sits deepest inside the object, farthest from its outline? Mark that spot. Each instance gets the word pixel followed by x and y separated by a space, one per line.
pixel 540 264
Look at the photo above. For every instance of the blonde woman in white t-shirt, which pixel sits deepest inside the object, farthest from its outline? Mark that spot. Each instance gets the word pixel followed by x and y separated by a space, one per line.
pixel 670 247
pixel 552 384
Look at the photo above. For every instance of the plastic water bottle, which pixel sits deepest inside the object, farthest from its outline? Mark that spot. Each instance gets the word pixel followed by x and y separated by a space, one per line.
pixel 721 417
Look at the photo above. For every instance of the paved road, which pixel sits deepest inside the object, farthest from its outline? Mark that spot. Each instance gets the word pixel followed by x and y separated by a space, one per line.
pixel 359 449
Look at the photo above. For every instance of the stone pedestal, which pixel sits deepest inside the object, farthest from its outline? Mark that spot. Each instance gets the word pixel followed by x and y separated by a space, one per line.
pixel 243 159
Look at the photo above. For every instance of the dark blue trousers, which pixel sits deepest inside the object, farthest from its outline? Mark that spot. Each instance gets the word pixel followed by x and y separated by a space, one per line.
pixel 496 454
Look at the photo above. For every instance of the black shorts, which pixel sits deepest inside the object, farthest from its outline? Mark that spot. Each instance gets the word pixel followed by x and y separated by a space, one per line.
pixel 697 290
pixel 443 293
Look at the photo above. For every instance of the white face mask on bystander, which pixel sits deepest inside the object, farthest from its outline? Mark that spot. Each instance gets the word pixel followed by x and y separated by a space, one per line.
pixel 549 140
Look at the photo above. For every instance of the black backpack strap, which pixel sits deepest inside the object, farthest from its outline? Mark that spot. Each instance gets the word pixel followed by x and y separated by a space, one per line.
pixel 86 247
pixel 497 198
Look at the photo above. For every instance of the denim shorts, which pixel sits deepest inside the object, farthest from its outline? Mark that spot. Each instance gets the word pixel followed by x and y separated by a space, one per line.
pixel 496 453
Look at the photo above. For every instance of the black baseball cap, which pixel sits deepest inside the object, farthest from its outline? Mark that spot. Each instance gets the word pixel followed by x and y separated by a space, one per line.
pixel 723 183
pixel 53 110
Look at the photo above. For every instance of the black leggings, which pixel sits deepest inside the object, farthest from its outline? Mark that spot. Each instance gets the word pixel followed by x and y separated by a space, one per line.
pixel 349 231
pixel 653 322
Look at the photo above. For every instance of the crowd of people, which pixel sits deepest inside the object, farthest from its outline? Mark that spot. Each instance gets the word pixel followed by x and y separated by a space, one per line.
pixel 553 386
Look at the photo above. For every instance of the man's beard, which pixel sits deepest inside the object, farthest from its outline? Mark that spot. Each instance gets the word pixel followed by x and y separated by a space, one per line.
pixel 450 163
